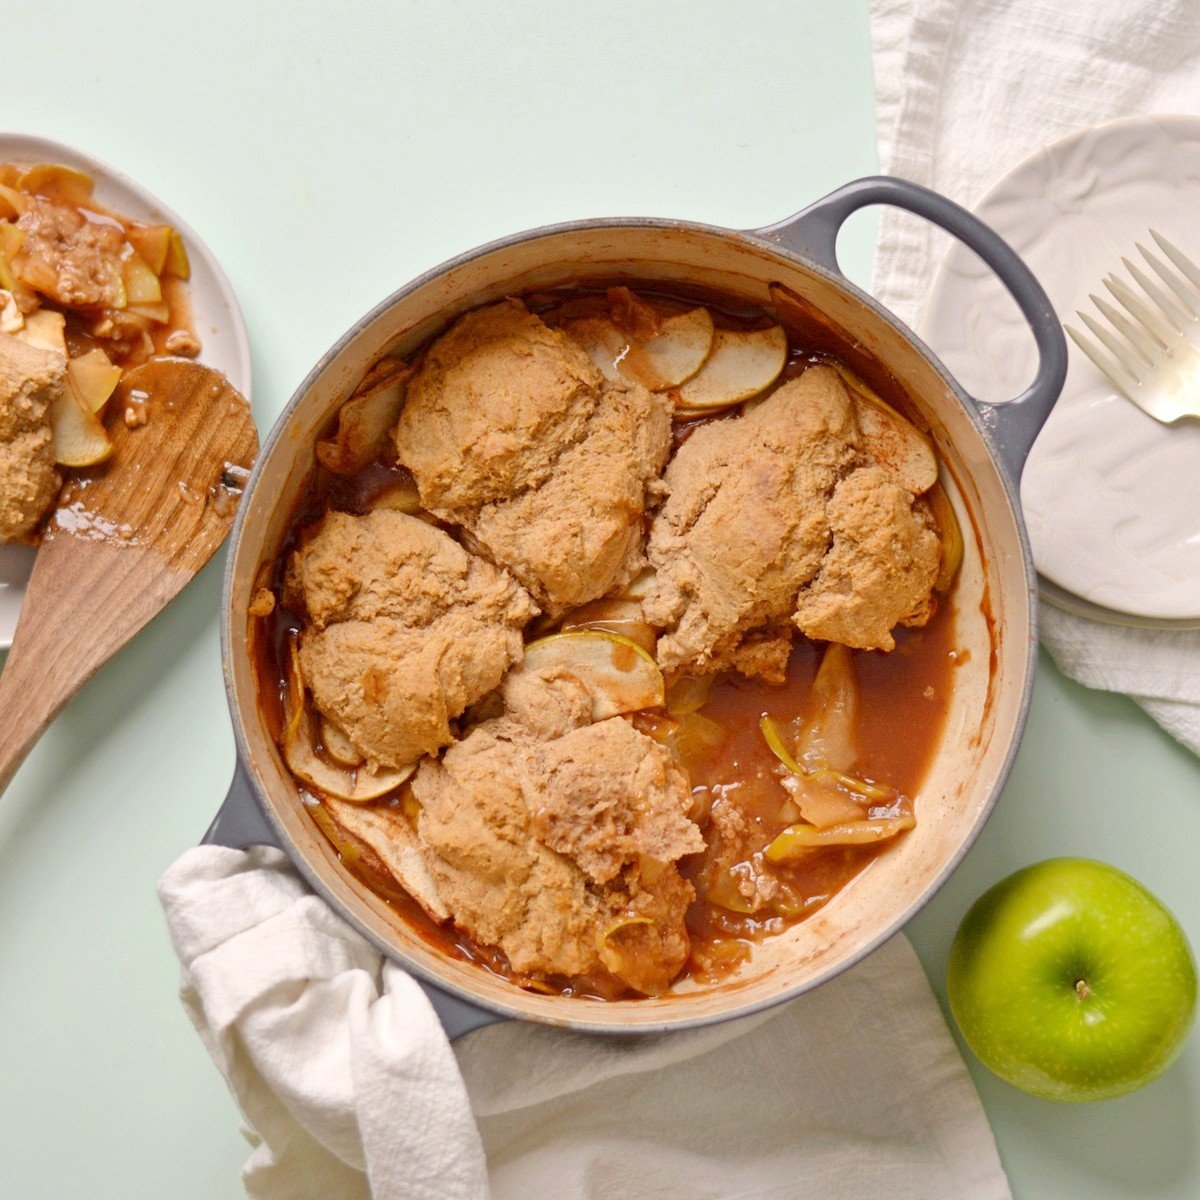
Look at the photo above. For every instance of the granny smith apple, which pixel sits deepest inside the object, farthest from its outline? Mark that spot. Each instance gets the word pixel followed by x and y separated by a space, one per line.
pixel 1071 981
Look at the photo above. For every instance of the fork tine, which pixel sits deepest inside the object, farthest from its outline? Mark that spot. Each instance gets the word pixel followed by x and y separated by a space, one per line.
pixel 1174 314
pixel 1122 353
pixel 1178 257
pixel 1177 286
pixel 1093 352
pixel 1139 311
pixel 1122 324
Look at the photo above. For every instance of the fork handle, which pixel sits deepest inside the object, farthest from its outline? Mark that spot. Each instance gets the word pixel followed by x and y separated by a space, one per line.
pixel 1014 425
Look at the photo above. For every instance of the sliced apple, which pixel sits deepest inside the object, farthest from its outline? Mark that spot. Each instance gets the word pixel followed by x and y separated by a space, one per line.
pixel 365 423
pixel 387 833
pixel 601 341
pixel 46 330
pixel 155 314
pixel 152 242
pixel 820 771
pixel 688 694
pixel 12 204
pixel 357 785
pixel 93 379
pixel 11 240
pixel 949 534
pixel 794 840
pixel 821 804
pixel 740 366
pixel 618 616
pixel 620 675
pixel 664 361
pixel 79 436
pixel 177 258
pixel 401 496
pixel 337 745
pixel 141 283
pixel 57 182
pixel 640 586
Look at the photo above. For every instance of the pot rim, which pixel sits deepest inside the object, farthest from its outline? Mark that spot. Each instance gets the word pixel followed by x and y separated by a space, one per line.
pixel 756 239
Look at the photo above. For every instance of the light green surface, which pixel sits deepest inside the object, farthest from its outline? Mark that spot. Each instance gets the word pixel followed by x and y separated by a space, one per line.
pixel 327 160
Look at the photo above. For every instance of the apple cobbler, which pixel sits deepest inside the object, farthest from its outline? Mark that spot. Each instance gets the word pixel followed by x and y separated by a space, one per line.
pixel 611 634
pixel 85 294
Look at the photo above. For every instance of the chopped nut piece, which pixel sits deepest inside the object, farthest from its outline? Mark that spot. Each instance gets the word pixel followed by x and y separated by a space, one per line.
pixel 184 343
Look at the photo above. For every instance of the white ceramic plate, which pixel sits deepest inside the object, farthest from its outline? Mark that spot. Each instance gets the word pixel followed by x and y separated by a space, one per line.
pixel 215 314
pixel 1112 498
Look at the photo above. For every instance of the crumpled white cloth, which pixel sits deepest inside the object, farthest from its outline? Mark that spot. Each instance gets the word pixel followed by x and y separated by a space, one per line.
pixel 965 89
pixel 350 1089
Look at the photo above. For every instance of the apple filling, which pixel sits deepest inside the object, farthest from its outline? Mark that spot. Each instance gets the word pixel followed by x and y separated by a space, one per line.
pixel 93 294
pixel 613 633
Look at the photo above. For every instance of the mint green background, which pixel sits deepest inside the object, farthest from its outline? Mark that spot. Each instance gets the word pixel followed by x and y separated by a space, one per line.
pixel 327 158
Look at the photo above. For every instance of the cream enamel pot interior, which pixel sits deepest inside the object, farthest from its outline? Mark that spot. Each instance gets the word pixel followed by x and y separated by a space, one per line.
pixel 982 447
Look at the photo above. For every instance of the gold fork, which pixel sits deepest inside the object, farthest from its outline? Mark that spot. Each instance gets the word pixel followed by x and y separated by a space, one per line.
pixel 1155 360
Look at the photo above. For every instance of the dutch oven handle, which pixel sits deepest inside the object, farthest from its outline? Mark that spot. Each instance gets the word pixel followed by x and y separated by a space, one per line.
pixel 1013 426
pixel 240 823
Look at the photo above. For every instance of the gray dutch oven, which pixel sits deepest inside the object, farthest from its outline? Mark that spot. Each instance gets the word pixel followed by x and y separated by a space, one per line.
pixel 983 447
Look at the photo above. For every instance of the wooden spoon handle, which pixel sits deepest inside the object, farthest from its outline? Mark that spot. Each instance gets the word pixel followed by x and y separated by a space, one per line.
pixel 59 646
pixel 30 698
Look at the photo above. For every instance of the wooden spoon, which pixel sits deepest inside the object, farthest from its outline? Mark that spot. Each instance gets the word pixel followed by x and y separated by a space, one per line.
pixel 126 537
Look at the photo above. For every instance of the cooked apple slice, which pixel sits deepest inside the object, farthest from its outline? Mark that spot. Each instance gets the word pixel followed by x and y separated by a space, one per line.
pixel 57 182
pixel 688 694
pixel 365 422
pixel 46 330
pixel 678 352
pixel 358 785
pixel 618 616
pixel 401 496
pixel 177 258
pixel 337 745
pixel 664 361
pixel 387 835
pixel 79 437
pixel 152 242
pixel 620 675
pixel 141 282
pixel 889 438
pixel 640 586
pixel 93 379
pixel 820 771
pixel 8 280
pixel 794 840
pixel 157 314
pixel 601 341
pixel 740 366
pixel 949 534
pixel 12 239
pixel 12 203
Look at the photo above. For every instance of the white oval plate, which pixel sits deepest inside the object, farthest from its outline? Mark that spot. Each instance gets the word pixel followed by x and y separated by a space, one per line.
pixel 1111 497
pixel 215 314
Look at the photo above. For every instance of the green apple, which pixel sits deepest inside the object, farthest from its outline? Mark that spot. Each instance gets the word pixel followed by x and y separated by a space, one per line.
pixel 1071 981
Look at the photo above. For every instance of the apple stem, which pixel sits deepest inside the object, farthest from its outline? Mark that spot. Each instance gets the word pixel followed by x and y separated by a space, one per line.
pixel 1082 989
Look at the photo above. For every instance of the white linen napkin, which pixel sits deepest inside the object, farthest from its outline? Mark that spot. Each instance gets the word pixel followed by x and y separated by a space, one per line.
pixel 350 1090
pixel 965 89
